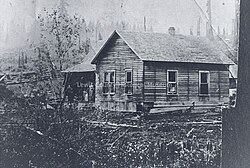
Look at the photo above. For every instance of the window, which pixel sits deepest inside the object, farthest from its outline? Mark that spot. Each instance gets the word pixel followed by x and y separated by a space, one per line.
pixel 172 82
pixel 204 82
pixel 106 83
pixel 112 83
pixel 109 83
pixel 128 82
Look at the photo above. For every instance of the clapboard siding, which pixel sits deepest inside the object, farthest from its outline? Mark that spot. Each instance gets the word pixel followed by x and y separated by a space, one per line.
pixel 119 57
pixel 224 85
pixel 150 79
pixel 155 83
pixel 183 84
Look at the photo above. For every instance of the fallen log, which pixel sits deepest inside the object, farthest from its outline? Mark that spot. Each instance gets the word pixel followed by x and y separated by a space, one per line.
pixel 209 123
pixel 111 125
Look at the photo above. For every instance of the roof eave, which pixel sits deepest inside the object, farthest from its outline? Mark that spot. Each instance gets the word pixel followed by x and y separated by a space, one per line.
pixel 78 71
pixel 147 60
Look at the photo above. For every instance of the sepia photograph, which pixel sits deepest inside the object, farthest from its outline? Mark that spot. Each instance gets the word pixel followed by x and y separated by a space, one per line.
pixel 124 84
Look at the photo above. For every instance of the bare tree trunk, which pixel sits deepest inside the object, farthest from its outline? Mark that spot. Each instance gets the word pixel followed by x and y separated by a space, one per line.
pixel 239 140
pixel 243 98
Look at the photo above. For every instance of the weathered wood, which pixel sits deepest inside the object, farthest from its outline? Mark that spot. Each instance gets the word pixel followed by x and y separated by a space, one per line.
pixel 150 79
pixel 219 84
pixel 188 82
pixel 111 125
pixel 119 57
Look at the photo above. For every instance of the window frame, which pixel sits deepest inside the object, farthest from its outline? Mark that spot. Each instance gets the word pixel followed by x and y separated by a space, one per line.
pixel 208 83
pixel 176 82
pixel 105 82
pixel 126 81
pixel 108 83
pixel 112 93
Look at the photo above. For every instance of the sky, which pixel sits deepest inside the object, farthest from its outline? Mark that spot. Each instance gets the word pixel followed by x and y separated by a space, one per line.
pixel 161 14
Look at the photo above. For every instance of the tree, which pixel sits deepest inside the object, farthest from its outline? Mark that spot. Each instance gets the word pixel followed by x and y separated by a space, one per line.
pixel 63 35
pixel 25 58
pixel 218 30
pixel 91 27
pixel 100 36
pixel 191 31
pixel 151 29
pixel 236 134
pixel 243 92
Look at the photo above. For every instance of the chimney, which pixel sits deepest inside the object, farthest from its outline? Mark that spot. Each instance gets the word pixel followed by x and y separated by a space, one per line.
pixel 171 31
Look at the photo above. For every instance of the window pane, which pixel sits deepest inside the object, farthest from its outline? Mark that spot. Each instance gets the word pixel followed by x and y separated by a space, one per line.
pixel 172 76
pixel 129 76
pixel 129 88
pixel 172 88
pixel 112 76
pixel 105 88
pixel 106 74
pixel 204 89
pixel 112 88
pixel 204 77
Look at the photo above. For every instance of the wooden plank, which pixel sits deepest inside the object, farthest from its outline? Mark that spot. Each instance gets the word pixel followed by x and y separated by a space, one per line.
pixel 119 57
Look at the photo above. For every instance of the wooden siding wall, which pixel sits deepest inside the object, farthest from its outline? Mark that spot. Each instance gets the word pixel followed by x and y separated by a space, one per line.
pixel 119 57
pixel 188 83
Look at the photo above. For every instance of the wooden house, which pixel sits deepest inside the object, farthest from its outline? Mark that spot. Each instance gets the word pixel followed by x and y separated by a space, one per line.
pixel 165 69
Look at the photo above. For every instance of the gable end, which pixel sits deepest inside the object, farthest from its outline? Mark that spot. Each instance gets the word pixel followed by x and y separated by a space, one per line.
pixel 115 33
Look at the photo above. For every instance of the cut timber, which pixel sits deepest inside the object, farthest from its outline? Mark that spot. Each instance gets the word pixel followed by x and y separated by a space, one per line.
pixel 167 109
pixel 111 125
pixel 183 108
pixel 215 122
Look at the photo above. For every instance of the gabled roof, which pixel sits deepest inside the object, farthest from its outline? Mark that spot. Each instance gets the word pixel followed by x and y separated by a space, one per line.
pixel 167 48
pixel 85 66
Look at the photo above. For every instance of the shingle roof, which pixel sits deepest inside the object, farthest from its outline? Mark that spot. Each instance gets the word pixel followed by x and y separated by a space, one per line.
pixel 85 66
pixel 178 48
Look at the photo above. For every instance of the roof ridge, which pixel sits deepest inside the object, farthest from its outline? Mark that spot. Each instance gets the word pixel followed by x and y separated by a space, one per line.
pixel 177 48
pixel 151 46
